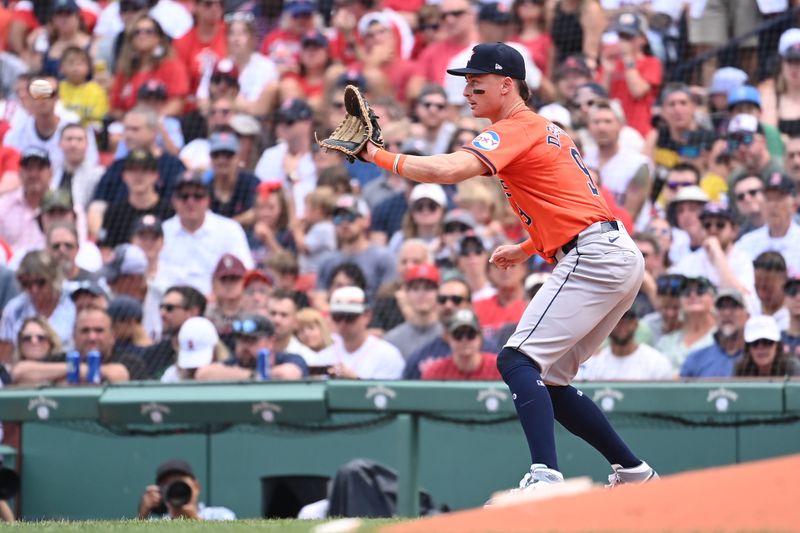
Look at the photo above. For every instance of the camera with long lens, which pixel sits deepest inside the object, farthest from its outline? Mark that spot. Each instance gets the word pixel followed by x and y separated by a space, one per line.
pixel 177 494
pixel 9 483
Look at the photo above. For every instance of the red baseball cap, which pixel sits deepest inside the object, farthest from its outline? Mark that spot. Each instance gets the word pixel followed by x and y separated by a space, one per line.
pixel 253 276
pixel 427 272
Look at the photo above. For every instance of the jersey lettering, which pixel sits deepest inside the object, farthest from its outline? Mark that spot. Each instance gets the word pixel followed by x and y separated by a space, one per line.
pixel 578 161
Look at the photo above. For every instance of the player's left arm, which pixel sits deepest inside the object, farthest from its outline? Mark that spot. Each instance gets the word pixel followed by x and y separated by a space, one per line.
pixel 441 168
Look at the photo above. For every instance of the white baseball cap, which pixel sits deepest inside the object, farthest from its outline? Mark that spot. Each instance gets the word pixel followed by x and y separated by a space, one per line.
pixel 556 113
pixel 789 45
pixel 196 341
pixel 348 300
pixel 432 191
pixel 536 278
pixel 761 327
pixel 743 123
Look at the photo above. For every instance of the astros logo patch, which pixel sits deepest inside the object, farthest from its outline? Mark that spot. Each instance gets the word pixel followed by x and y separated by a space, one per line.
pixel 488 140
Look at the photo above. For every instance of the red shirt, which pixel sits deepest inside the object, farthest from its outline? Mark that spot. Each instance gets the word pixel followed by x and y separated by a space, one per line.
pixel 282 46
pixel 445 369
pixel 637 110
pixel 197 55
pixel 9 160
pixel 539 49
pixel 432 62
pixel 492 316
pixel 171 72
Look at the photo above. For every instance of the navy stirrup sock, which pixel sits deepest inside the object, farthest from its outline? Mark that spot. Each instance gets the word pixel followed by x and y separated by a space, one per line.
pixel 533 404
pixel 581 417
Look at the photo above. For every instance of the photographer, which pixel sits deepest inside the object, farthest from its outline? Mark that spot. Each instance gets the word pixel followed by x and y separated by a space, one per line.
pixel 175 495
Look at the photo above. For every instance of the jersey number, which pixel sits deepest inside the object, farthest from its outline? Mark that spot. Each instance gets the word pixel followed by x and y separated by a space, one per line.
pixel 578 161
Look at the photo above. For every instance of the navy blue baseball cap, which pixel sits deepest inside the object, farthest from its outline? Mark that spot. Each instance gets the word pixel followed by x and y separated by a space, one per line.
pixel 493 58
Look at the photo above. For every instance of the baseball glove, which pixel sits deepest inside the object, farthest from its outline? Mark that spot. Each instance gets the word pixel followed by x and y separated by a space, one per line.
pixel 359 127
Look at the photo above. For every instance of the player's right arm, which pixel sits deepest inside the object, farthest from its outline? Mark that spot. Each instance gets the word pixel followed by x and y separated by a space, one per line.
pixel 441 168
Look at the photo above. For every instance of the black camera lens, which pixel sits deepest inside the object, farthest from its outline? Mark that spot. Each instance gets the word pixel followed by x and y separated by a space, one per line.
pixel 9 483
pixel 177 494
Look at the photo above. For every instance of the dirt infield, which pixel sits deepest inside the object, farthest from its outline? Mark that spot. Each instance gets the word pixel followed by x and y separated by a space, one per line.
pixel 758 496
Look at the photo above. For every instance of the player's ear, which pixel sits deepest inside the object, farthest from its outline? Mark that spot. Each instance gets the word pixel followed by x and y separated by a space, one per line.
pixel 506 85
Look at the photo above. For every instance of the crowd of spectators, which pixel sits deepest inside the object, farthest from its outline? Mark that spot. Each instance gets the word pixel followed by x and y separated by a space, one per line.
pixel 165 204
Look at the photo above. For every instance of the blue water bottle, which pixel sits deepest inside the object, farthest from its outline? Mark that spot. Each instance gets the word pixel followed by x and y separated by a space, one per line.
pixel 93 367
pixel 262 365
pixel 73 367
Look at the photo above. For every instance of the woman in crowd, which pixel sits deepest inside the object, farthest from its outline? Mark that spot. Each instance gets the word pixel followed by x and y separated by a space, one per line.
pixel 36 340
pixel 764 354
pixel 424 218
pixel 576 27
pixel 147 54
pixel 699 324
pixel 531 30
pixel 308 81
pixel 47 43
pixel 313 330
pixel 271 230
pixel 780 98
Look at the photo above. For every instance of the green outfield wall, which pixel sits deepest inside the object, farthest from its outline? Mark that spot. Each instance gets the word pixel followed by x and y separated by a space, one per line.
pixel 88 452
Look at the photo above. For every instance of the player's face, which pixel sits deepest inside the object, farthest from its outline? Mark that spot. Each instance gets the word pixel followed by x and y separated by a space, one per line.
pixel 482 94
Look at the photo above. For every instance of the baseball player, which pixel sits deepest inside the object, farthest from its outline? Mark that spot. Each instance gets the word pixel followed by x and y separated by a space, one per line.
pixel 598 267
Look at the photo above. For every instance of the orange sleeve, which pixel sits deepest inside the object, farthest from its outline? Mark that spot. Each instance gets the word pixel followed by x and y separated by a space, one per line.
pixel 499 145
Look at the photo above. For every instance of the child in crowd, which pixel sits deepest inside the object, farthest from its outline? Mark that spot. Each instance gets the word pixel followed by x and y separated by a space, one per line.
pixel 315 236
pixel 78 92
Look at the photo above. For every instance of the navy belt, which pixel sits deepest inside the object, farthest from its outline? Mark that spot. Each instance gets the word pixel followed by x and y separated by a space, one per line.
pixel 605 227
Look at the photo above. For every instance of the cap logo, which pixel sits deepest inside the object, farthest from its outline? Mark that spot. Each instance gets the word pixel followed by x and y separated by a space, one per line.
pixel 228 262
pixel 487 141
pixel 775 179
pixel 497 66
pixel 627 18
pixel 190 344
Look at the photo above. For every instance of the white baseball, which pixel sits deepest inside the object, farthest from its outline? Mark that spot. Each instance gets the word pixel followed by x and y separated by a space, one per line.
pixel 40 89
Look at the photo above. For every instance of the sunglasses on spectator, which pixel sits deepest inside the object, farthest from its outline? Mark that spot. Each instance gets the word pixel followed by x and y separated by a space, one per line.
pixel 337 105
pixel 750 192
pixel 170 307
pixel 444 298
pixel 455 227
pixel 247 326
pixel 465 334
pixel 737 139
pixel 455 14
pixel 230 279
pixel 762 343
pixel 587 103
pixel 342 217
pixel 146 31
pixel 421 285
pixel 433 105
pixel 432 27
pixel 347 318
pixel 675 185
pixel 792 289
pixel 29 283
pixel 469 250
pixel 56 246
pixel 697 286
pixel 222 153
pixel 34 338
pixel 425 205
pixel 186 196
pixel 719 224
pixel 224 78
pixel 669 285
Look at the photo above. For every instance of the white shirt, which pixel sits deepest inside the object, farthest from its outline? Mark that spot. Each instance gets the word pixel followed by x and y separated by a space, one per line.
pixel 190 258
pixel 698 263
pixel 172 16
pixel 84 182
pixel 270 168
pixel 196 155
pixel 681 245
pixel 24 134
pixel 643 364
pixel 298 348
pixel 454 85
pixel 755 242
pixel 259 71
pixel 375 359
pixel 617 174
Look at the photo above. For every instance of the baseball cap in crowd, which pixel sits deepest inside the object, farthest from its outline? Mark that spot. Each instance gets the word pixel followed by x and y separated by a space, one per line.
pixel 90 286
pixel 223 141
pixel 534 279
pixel 630 24
pixel 196 341
pixel 152 89
pixel 293 110
pixel 252 325
pixel 34 153
pixel 743 123
pixel 173 466
pixel 257 276
pixel 494 12
pixel 298 8
pixel 690 193
pixel 140 160
pixel 470 244
pixel 726 79
pixel 717 210
pixel 557 114
pixel 65 6
pixel 229 266
pixel 464 318
pixel 778 181
pixel 124 307
pixel 789 44
pixel 493 58
pixel 148 224
pixel 424 271
pixel 588 92
pixel 374 17
pixel 458 220
pixel 350 300
pixel 191 179
pixel 347 203
pixel 575 64
pixel 431 191
pixel 132 5
pixel 56 200
pixel 245 125
pixel 729 294
pixel 225 69
pixel 352 77
pixel 761 327
pixel 127 260
pixel 744 94
pixel 314 38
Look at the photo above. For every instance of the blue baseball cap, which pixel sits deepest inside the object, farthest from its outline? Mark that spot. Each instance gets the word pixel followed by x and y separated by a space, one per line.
pixel 493 58
pixel 744 94
pixel 223 142
pixel 298 8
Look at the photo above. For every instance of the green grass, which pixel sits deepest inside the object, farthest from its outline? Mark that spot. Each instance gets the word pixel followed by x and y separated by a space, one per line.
pixel 180 526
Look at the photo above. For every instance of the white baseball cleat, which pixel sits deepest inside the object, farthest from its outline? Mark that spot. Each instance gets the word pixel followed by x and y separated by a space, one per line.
pixel 538 479
pixel 635 475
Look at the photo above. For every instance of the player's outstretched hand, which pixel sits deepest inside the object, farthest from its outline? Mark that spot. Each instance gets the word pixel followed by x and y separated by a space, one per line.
pixel 508 255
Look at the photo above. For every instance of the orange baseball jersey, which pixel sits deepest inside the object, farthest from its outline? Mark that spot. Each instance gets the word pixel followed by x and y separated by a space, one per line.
pixel 543 176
